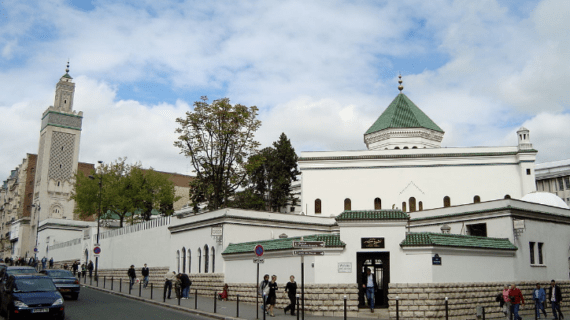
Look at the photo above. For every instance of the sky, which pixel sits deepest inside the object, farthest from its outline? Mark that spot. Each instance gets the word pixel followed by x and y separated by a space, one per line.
pixel 319 71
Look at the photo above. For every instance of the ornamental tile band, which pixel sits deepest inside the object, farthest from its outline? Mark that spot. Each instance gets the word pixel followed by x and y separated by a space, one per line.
pixel 331 241
pixel 423 239
pixel 354 215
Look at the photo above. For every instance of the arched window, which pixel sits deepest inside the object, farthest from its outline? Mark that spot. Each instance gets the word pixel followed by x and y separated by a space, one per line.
pixel 199 260
pixel 446 201
pixel 347 204
pixel 206 258
pixel 404 206
pixel 421 205
pixel 405 147
pixel 189 261
pixel 213 260
pixel 377 204
pixel 507 196
pixel 178 260
pixel 318 206
pixel 183 260
pixel 412 201
pixel 476 199
pixel 396 148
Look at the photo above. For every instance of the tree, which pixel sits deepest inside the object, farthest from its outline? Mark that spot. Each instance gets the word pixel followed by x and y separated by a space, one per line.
pixel 218 138
pixel 270 173
pixel 125 189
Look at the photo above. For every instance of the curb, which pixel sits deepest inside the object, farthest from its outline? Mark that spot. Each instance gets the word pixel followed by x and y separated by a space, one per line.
pixel 166 305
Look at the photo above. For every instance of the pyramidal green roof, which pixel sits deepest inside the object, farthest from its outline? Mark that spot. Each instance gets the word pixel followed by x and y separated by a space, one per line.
pixel 420 239
pixel 331 241
pixel 403 113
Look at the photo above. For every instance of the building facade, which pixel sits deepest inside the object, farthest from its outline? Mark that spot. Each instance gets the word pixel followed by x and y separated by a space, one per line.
pixel 554 177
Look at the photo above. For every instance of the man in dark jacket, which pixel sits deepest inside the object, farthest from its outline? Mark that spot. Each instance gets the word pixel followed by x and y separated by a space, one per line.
pixel 132 276
pixel 186 283
pixel 90 268
pixel 555 297
pixel 369 283
pixel 145 272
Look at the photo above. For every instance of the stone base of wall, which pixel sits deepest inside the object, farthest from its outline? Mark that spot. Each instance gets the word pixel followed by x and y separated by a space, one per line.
pixel 156 275
pixel 427 300
pixel 320 299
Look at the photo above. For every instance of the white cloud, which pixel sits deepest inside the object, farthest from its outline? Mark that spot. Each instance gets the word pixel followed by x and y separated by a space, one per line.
pixel 321 72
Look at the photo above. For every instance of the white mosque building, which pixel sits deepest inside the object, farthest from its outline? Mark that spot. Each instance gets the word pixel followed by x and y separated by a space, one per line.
pixel 430 222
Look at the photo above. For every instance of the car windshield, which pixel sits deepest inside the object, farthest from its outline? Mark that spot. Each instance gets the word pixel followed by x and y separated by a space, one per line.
pixel 59 273
pixel 34 285
pixel 20 271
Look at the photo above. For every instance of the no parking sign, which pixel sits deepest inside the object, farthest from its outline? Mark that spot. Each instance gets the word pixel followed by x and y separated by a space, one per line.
pixel 97 250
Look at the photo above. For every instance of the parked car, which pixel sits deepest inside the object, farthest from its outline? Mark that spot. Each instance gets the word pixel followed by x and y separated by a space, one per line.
pixel 29 296
pixel 64 281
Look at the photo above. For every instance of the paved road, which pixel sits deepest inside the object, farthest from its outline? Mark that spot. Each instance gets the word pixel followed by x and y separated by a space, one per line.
pixel 96 305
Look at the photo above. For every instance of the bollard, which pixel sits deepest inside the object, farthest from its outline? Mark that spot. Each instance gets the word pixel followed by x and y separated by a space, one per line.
pixel 237 306
pixel 483 309
pixel 264 306
pixel 446 309
pixel 164 295
pixel 130 286
pixel 120 285
pixel 298 307
pixel 140 286
pixel 91 281
pixel 397 307
pixel 179 296
pixel 105 282
pixel 196 299
pixel 112 281
pixel 536 310
pixel 97 282
pixel 344 307
pixel 151 291
pixel 215 300
pixel 84 280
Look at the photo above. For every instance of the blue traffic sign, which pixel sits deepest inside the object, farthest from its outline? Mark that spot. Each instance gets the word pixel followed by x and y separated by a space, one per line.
pixel 258 250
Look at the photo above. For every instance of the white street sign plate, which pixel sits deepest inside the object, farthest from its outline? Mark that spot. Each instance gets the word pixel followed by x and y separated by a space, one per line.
pixel 309 253
pixel 308 244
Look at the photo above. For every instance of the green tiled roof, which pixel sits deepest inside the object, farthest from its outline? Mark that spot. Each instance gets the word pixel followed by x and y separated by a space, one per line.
pixel 421 239
pixel 372 215
pixel 331 241
pixel 66 75
pixel 403 113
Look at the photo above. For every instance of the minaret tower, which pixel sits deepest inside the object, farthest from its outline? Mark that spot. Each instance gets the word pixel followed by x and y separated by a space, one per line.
pixel 58 154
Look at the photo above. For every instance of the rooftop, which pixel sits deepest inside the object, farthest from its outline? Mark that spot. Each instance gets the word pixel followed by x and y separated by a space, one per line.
pixel 331 241
pixel 423 239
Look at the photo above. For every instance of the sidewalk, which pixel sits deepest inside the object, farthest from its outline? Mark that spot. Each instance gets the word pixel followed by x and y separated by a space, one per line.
pixel 205 305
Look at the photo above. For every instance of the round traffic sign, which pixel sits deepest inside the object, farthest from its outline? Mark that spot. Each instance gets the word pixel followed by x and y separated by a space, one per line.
pixel 97 250
pixel 258 250
pixel 36 249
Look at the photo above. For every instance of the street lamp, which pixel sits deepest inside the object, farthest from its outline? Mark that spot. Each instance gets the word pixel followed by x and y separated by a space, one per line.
pixel 37 210
pixel 99 213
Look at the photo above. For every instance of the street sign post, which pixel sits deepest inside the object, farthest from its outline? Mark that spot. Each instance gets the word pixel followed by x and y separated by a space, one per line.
pixel 308 244
pixel 258 250
pixel 309 253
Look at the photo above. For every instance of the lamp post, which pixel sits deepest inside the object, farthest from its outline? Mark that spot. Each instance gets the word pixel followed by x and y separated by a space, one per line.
pixel 99 213
pixel 37 209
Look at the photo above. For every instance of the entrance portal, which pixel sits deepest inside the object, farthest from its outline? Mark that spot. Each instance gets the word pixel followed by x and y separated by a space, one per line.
pixel 379 264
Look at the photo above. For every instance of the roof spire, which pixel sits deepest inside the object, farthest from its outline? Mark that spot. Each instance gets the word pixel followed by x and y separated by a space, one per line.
pixel 400 87
pixel 67 69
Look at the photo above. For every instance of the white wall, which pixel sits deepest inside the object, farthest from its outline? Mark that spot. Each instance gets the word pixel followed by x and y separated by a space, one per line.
pixel 427 179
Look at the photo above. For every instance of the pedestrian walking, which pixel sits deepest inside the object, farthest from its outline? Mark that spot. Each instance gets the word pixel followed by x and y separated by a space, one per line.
pixel 291 289
pixel 263 291
pixel 90 268
pixel 539 297
pixel 51 263
pixel 506 303
pixel 83 270
pixel 75 267
pixel 224 294
pixel 186 283
pixel 517 299
pixel 272 298
pixel 145 272
pixel 44 261
pixel 132 276
pixel 65 266
pixel 369 283
pixel 169 277
pixel 555 298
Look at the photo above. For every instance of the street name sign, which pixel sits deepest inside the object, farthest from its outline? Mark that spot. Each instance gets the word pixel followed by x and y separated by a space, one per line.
pixel 308 244
pixel 309 253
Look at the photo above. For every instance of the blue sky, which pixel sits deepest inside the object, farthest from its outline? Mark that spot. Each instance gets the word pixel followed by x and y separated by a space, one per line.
pixel 320 71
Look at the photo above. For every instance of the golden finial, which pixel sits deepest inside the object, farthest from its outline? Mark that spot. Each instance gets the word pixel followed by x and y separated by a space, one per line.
pixel 67 69
pixel 400 87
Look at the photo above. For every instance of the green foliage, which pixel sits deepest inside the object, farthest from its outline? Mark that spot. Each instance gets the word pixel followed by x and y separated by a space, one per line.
pixel 270 173
pixel 218 138
pixel 123 189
